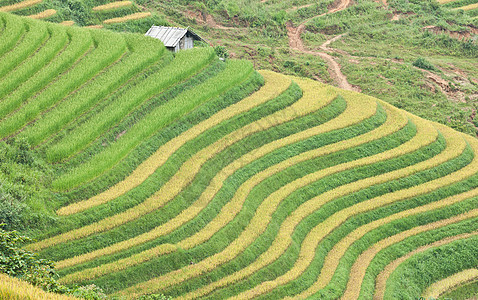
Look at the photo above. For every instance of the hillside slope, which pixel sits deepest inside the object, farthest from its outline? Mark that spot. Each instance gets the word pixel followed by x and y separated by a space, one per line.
pixel 193 177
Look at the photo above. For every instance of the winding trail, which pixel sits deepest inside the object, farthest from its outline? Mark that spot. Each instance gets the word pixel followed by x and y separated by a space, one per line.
pixel 296 43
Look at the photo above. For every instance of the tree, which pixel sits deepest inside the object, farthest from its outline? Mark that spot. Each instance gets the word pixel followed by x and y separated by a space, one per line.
pixel 26 265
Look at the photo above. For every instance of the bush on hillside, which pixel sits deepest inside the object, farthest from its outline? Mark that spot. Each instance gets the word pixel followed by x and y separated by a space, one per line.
pixel 221 51
pixel 422 63
pixel 26 265
pixel 89 292
pixel 23 187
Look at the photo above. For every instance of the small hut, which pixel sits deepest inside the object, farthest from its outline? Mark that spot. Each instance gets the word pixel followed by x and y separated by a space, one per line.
pixel 174 38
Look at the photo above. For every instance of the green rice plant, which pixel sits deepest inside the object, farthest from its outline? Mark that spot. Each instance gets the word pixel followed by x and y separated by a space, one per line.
pixel 275 84
pixel 151 119
pixel 413 275
pixel 152 184
pixel 79 42
pixel 414 246
pixel 251 252
pixel 237 136
pixel 438 205
pixel 265 256
pixel 285 131
pixel 358 270
pixel 13 30
pixel 248 269
pixel 144 52
pixel 304 106
pixel 216 241
pixel 193 165
pixel 334 288
pixel 224 216
pixel 150 145
pixel 109 48
pixel 310 276
pixel 58 40
pixel 327 226
pixel 36 33
pixel 331 261
pixel 426 134
pixel 236 147
pixel 441 287
pixel 336 134
pixel 298 136
pixel 164 173
pixel 79 138
pixel 411 233
pixel 157 119
pixel 318 267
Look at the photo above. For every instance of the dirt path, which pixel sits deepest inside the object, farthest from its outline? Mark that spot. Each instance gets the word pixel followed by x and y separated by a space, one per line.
pixel 334 68
pixel 206 19
pixel 298 7
pixel 433 80
pixel 212 23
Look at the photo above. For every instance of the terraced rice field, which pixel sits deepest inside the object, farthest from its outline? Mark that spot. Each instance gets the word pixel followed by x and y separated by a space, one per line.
pixel 15 289
pixel 469 6
pixel 197 178
pixel 82 13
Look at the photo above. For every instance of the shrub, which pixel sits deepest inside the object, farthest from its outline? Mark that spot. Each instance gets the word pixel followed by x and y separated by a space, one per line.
pixel 422 63
pixel 24 264
pixel 221 51
pixel 23 185
pixel 89 292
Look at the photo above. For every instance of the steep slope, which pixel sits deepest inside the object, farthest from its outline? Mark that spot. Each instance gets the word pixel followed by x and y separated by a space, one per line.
pixel 198 178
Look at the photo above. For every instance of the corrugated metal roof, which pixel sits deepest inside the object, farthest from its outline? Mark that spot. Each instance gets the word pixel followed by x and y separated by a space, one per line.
pixel 170 36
